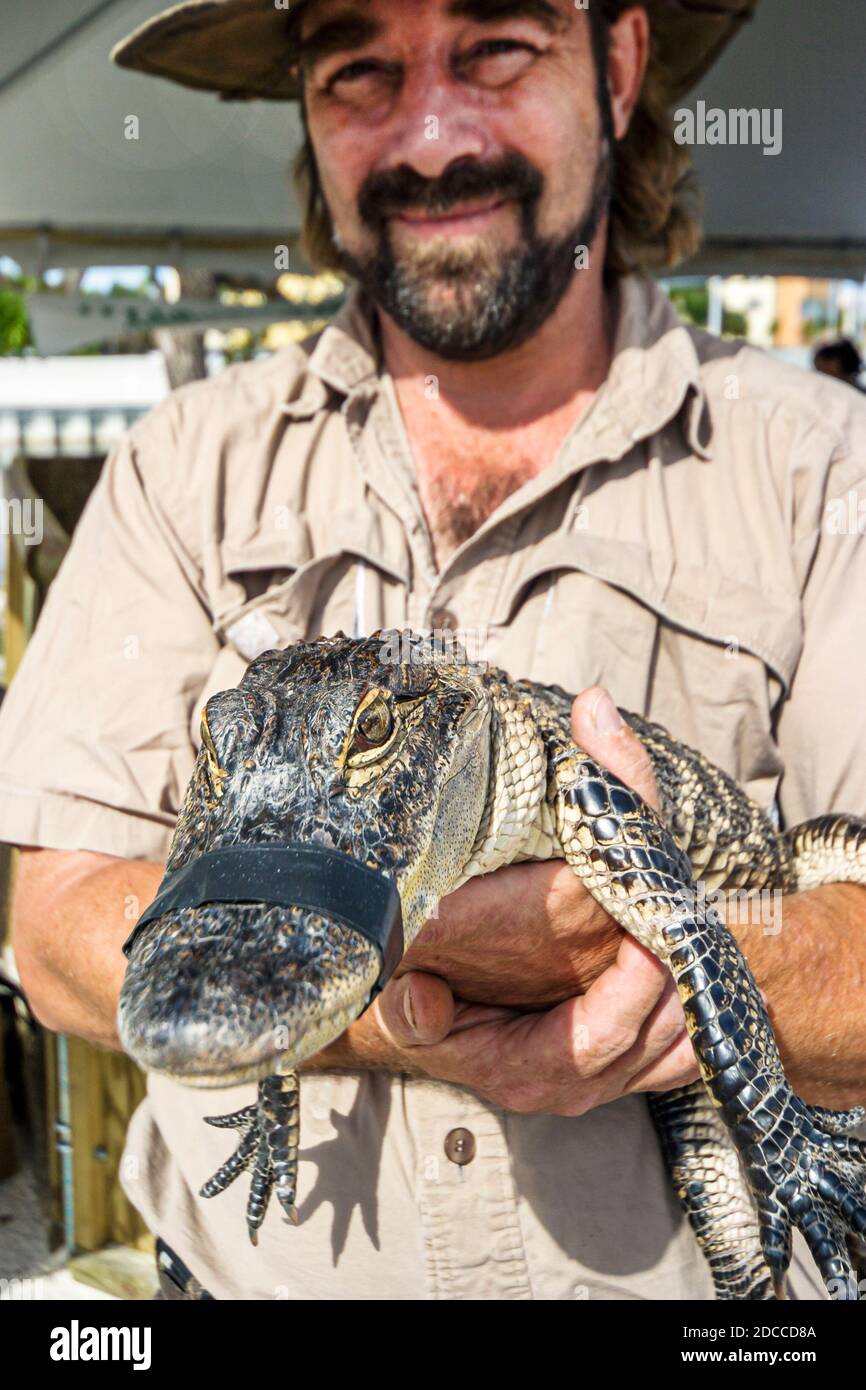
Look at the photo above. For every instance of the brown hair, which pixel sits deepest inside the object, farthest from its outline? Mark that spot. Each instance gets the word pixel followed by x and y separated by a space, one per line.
pixel 655 205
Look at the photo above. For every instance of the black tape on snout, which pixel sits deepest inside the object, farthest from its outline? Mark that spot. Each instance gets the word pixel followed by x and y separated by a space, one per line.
pixel 295 875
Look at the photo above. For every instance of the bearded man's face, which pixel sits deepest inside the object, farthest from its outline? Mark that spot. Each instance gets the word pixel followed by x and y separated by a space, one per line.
pixel 463 151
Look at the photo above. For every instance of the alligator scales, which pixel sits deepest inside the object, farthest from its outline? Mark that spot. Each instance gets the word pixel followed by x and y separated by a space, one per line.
pixel 430 770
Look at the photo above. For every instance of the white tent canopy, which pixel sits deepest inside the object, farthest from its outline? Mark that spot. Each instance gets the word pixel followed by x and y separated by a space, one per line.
pixel 207 183
pixel 802 211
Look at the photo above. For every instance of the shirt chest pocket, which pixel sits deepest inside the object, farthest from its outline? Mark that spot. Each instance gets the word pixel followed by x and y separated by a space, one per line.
pixel 701 653
pixel 279 592
pixel 582 613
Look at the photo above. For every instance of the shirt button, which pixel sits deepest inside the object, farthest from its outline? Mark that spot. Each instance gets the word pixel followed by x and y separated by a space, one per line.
pixel 443 620
pixel 460 1146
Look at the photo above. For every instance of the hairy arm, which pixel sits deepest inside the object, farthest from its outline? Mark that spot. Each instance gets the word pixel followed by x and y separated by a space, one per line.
pixel 811 966
pixel 72 912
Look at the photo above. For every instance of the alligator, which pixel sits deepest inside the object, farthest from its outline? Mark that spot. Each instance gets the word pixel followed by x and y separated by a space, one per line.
pixel 396 759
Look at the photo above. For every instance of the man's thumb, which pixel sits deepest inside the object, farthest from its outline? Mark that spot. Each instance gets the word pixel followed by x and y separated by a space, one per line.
pixel 598 728
pixel 416 1009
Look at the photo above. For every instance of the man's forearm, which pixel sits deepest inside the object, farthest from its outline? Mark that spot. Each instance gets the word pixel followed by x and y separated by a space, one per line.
pixel 810 961
pixel 73 912
pixel 809 958
pixel 363 1047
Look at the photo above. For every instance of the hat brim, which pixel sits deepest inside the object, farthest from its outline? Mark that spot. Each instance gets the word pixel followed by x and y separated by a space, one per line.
pixel 244 49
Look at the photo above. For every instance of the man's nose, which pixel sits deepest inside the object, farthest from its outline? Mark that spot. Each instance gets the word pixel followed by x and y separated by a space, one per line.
pixel 437 124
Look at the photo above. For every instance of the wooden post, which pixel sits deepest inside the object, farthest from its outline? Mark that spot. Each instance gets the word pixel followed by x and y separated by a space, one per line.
pixel 183 348
pixel 16 606
pixel 15 631
pixel 105 1089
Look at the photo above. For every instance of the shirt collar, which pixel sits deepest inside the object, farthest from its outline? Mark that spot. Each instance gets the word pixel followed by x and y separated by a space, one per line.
pixel 344 359
pixel 654 376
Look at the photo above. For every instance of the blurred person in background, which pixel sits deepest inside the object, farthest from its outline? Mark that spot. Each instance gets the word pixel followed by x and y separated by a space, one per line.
pixel 841 360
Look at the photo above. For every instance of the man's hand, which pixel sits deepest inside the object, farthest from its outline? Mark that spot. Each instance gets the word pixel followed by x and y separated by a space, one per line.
pixel 524 937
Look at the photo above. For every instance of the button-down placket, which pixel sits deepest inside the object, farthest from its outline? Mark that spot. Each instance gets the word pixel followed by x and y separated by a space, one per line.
pixel 654 378
pixel 473 1244
pixel 347 359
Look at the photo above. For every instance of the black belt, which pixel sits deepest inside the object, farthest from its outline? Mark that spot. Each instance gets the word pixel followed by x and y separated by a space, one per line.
pixel 295 875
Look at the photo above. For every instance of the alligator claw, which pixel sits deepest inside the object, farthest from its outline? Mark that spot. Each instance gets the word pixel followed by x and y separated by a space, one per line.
pixel 239 1119
pixel 812 1175
pixel 269 1145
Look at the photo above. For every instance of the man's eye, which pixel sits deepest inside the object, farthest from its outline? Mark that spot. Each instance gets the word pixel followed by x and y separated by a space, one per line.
pixel 355 72
pixel 492 46
pixel 495 62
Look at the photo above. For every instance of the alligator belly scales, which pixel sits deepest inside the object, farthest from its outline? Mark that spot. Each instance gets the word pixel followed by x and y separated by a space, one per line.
pixel 429 770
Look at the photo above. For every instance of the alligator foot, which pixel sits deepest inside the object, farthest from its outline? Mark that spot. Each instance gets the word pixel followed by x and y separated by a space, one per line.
pixel 806 1172
pixel 268 1145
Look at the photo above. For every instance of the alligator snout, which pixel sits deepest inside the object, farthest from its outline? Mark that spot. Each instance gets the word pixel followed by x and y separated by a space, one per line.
pixel 226 993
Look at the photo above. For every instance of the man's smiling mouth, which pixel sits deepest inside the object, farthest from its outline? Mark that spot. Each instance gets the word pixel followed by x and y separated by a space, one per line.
pixel 464 220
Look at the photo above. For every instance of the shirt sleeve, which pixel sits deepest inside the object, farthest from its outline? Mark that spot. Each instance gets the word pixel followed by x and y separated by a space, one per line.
pixel 95 744
pixel 821 729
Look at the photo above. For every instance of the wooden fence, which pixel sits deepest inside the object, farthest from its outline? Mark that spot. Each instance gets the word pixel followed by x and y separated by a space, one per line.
pixel 101 1089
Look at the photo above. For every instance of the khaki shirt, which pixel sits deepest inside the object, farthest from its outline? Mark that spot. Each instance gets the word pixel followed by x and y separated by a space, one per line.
pixel 696 546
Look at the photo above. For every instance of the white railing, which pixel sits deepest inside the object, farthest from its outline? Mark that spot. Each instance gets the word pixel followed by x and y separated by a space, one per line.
pixel 70 433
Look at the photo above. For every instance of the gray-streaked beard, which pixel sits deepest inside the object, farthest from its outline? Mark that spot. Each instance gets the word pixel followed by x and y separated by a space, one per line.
pixel 497 300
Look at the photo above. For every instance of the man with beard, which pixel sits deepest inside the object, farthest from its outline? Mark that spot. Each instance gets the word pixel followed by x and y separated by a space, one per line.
pixel 507 433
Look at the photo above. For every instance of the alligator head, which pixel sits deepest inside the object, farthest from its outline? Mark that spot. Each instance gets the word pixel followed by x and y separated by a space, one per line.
pixel 378 749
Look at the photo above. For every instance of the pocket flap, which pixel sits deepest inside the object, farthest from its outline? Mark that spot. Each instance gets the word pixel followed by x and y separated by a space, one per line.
pixel 720 608
pixel 284 546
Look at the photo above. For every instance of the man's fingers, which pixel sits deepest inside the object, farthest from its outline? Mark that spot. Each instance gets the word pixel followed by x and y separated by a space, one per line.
pixel 676 1067
pixel 584 1037
pixel 618 1004
pixel 598 728
pixel 662 1051
pixel 415 1009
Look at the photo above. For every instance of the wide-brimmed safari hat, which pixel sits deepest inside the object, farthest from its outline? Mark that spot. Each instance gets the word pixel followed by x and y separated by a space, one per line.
pixel 244 49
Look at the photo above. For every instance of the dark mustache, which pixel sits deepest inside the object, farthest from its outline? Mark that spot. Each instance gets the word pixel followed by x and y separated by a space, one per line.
pixel 511 176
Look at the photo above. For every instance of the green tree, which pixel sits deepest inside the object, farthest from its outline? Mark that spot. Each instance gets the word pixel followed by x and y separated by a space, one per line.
pixel 14 323
pixel 692 303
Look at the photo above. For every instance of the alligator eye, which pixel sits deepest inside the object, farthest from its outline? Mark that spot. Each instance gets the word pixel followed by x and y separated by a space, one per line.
pixel 374 727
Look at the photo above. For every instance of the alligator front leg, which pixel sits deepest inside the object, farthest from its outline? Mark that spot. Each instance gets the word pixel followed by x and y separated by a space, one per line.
pixel 268 1145
pixel 803 1167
